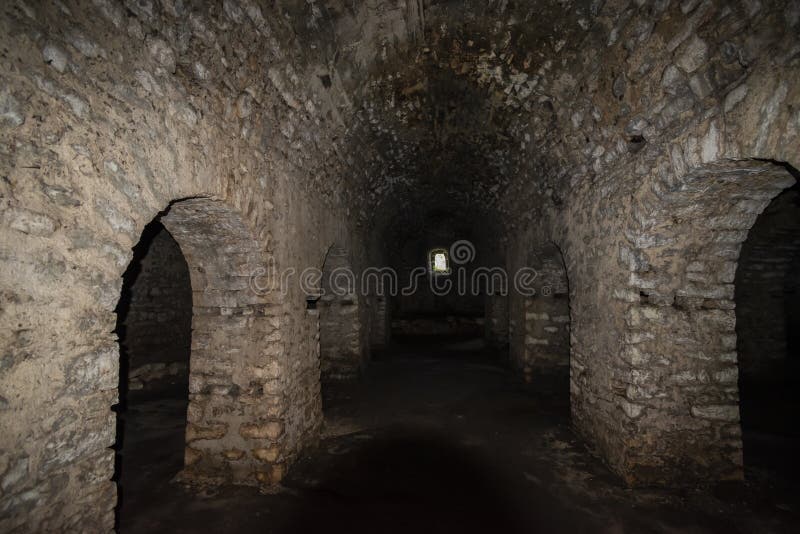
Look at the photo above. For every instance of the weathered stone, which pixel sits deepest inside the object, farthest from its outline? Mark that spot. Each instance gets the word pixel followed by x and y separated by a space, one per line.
pixel 619 86
pixel 86 46
pixel 56 57
pixel 233 454
pixel 244 105
pixel 118 221
pixel 734 97
pixel 631 410
pixel 161 53
pixel 266 455
pixel 28 222
pixel 94 371
pixel 674 81
pixel 701 85
pixel 694 55
pixel 16 474
pixel 11 112
pixel 271 430
pixel 598 130
pixel 716 412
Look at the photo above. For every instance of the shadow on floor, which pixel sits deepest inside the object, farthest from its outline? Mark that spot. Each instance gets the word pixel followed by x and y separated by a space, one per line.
pixel 437 439
pixel 406 481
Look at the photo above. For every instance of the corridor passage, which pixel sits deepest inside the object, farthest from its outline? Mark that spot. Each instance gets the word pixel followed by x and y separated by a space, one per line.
pixel 438 437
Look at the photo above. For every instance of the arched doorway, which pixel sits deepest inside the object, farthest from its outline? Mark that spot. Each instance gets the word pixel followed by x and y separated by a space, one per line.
pixel 154 321
pixel 767 329
pixel 673 380
pixel 235 426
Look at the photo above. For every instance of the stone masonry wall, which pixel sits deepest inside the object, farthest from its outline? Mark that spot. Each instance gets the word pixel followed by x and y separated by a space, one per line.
pixel 341 326
pixel 111 112
pixel 680 341
pixel 237 411
pixel 654 95
pixel 624 132
pixel 546 335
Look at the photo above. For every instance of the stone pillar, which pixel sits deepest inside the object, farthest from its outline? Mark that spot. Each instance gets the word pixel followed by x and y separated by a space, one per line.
pixel 237 385
pixel 674 380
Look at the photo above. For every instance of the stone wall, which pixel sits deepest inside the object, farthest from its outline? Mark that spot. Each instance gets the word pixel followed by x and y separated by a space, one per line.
pixel 625 133
pixel 112 113
pixel 546 335
pixel 342 327
pixel 438 325
pixel 655 96
pixel 680 340
pixel 433 299
pixel 237 411
pixel 154 315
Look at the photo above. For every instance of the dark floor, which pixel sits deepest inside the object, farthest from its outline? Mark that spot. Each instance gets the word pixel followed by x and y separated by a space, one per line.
pixel 443 439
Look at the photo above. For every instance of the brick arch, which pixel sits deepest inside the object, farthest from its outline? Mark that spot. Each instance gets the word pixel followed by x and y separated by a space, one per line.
pixel 677 374
pixel 234 427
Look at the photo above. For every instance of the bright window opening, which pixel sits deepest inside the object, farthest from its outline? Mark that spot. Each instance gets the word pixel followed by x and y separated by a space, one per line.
pixel 439 261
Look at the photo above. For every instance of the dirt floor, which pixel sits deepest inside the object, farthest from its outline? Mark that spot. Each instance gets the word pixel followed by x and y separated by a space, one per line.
pixel 440 437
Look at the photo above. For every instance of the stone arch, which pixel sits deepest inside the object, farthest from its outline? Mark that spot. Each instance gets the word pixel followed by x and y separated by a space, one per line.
pixel 547 315
pixel 767 272
pixel 767 286
pixel 234 429
pixel 341 318
pixel 676 380
pixel 154 313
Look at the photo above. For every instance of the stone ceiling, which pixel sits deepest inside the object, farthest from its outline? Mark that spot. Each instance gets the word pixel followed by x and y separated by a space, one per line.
pixel 436 97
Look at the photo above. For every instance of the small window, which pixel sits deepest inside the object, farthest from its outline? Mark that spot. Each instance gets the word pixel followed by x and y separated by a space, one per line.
pixel 439 261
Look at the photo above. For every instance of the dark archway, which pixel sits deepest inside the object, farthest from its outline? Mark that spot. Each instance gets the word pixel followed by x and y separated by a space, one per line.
pixel 154 322
pixel 232 427
pixel 547 316
pixel 767 325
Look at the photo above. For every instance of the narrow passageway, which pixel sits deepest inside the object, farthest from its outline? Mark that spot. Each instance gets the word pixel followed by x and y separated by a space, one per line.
pixel 767 327
pixel 437 437
pixel 154 316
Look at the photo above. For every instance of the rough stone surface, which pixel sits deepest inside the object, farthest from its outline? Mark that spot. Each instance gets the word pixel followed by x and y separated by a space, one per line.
pixel 362 119
pixel 343 339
